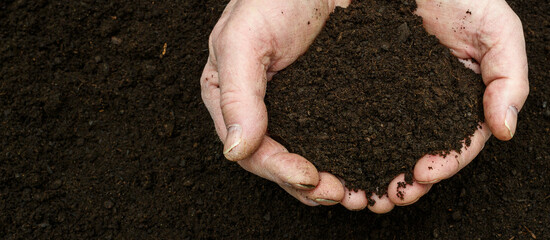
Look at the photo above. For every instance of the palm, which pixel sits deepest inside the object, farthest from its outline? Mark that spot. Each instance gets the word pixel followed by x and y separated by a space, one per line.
pixel 252 40
pixel 280 31
pixel 490 33
pixel 255 38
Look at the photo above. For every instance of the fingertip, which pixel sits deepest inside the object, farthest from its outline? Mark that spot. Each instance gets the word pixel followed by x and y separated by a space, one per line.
pixel 381 204
pixel 502 122
pixel 403 194
pixel 354 200
pixel 294 170
pixel 329 191
pixel 433 168
pixel 244 138
pixel 502 101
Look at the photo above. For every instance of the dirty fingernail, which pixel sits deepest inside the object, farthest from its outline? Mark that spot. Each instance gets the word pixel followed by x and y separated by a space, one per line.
pixel 511 120
pixel 304 186
pixel 429 182
pixel 233 139
pixel 326 201
pixel 312 203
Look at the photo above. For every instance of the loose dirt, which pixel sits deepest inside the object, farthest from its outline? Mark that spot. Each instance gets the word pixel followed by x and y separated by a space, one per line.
pixel 101 137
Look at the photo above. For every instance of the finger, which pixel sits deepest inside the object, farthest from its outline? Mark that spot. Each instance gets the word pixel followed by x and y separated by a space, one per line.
pixel 382 204
pixel 210 93
pixel 354 200
pixel 504 70
pixel 242 63
pixel 402 194
pixel 329 191
pixel 496 41
pixel 434 168
pixel 273 162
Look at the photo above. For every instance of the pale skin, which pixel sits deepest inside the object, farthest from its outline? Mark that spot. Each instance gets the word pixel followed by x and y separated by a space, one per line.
pixel 254 39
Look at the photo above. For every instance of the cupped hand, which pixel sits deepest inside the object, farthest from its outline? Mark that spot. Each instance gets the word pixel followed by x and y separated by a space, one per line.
pixel 253 40
pixel 489 32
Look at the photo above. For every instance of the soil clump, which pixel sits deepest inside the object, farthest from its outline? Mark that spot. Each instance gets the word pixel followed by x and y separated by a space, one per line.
pixel 373 95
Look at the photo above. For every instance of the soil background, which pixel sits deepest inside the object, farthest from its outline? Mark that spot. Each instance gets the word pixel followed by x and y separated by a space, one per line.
pixel 103 136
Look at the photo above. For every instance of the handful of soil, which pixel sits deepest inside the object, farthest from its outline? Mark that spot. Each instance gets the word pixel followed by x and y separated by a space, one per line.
pixel 374 94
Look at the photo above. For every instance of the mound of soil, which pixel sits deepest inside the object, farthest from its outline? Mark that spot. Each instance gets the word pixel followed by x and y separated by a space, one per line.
pixel 102 138
pixel 373 95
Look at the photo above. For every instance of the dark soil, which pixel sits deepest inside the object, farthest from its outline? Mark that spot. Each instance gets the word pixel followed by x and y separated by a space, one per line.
pixel 103 136
pixel 374 95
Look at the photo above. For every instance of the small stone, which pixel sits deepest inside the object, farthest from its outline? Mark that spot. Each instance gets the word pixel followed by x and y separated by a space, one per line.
pixel 187 183
pixel 108 204
pixel 404 32
pixel 44 225
pixel 56 184
pixel 169 129
pixel 60 217
pixel 98 59
pixel 116 40
pixel 385 46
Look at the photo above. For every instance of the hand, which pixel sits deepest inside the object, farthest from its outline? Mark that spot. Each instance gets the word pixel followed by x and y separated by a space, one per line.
pixel 491 33
pixel 252 40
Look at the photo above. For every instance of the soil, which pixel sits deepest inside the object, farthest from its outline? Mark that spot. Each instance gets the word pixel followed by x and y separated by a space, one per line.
pixel 375 94
pixel 104 136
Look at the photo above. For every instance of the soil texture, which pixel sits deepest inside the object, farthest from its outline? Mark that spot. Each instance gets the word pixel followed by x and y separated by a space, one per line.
pixel 103 135
pixel 373 95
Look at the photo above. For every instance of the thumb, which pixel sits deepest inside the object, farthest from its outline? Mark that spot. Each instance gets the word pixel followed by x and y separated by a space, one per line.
pixel 242 82
pixel 504 71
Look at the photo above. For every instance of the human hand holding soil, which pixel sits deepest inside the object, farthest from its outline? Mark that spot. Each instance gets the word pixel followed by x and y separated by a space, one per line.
pixel 488 32
pixel 251 41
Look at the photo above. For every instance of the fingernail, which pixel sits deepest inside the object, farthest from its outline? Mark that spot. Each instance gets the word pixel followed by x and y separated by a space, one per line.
pixel 511 120
pixel 327 201
pixel 304 186
pixel 312 203
pixel 429 182
pixel 233 139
